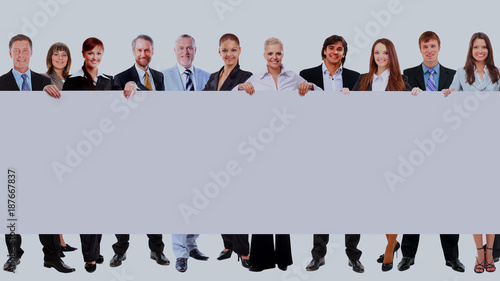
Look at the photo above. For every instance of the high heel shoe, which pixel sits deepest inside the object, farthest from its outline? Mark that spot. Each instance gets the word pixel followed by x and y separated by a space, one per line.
pixel 479 267
pixel 381 258
pixel 491 266
pixel 388 266
pixel 244 262
pixel 225 255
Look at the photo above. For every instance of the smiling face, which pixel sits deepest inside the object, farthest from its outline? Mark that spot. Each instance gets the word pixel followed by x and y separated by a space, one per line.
pixel 21 52
pixel 430 51
pixel 229 51
pixel 93 57
pixel 273 55
pixel 185 51
pixel 143 52
pixel 334 53
pixel 381 56
pixel 479 50
pixel 59 60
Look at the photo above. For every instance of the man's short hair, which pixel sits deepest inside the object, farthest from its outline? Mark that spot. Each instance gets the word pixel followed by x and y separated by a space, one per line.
pixel 427 36
pixel 185 36
pixel 20 37
pixel 143 37
pixel 332 40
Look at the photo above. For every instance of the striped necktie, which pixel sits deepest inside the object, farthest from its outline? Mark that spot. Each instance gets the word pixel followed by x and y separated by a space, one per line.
pixel 147 83
pixel 431 84
pixel 25 86
pixel 189 81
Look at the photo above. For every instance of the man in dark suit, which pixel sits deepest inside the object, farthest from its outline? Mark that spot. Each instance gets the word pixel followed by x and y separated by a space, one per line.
pixel 21 78
pixel 332 76
pixel 430 76
pixel 140 77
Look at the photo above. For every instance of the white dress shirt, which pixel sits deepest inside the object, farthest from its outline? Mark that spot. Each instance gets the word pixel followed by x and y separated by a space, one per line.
pixel 379 83
pixel 332 82
pixel 80 73
pixel 287 80
pixel 142 76
pixel 184 76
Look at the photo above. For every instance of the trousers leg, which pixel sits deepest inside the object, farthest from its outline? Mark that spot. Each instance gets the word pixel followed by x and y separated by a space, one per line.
pixel 449 243
pixel 409 245
pixel 13 243
pixel 122 244
pixel 319 245
pixel 240 244
pixel 90 246
pixel 156 243
pixel 228 241
pixel 351 246
pixel 262 251
pixel 283 250
pixel 51 246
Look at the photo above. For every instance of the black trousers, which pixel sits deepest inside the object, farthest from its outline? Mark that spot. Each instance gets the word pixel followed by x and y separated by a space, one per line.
pixel 237 242
pixel 449 243
pixel 91 246
pixel 351 246
pixel 264 254
pixel 155 243
pixel 50 242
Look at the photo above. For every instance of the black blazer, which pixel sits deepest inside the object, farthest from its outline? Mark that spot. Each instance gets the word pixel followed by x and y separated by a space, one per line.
pixel 356 87
pixel 131 74
pixel 78 83
pixel 416 77
pixel 236 77
pixel 315 75
pixel 38 82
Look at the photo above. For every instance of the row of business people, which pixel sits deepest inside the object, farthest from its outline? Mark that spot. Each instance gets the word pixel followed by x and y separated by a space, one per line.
pixel 479 73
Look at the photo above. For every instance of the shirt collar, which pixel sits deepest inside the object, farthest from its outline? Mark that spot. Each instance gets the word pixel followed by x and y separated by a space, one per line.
pixel 426 69
pixel 141 72
pixel 384 75
pixel 80 73
pixel 18 74
pixel 283 72
pixel 182 69
pixel 326 71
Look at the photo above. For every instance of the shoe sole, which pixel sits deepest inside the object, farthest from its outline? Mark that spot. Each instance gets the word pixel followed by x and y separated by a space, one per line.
pixel 51 266
pixel 167 263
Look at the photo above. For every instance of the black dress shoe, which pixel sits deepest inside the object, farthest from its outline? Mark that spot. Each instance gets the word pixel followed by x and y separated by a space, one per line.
pixel 357 266
pixel 315 264
pixel 159 258
pixel 386 266
pixel 181 264
pixel 381 258
pixel 90 267
pixel 61 254
pixel 405 263
pixel 283 267
pixel 255 269
pixel 68 248
pixel 197 255
pixel 117 260
pixel 456 265
pixel 225 255
pixel 100 260
pixel 11 264
pixel 59 265
pixel 244 262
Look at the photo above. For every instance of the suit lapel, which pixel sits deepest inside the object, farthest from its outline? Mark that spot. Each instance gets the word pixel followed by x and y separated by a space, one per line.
pixel 419 74
pixel 135 77
pixel 481 86
pixel 11 83
pixel 319 74
pixel 443 77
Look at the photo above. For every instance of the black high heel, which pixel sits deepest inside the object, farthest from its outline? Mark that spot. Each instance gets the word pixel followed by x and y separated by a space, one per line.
pixel 381 258
pixel 388 266
pixel 225 255
pixel 244 262
pixel 491 266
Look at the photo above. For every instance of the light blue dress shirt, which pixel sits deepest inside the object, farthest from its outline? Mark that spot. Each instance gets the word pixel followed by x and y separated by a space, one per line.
pixel 142 74
pixel 19 79
pixel 427 74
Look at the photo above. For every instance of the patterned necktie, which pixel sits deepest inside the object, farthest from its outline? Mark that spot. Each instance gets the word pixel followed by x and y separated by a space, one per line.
pixel 147 82
pixel 431 84
pixel 25 86
pixel 189 81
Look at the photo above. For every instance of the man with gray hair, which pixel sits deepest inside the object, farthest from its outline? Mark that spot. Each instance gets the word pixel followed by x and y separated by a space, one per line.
pixel 140 76
pixel 184 76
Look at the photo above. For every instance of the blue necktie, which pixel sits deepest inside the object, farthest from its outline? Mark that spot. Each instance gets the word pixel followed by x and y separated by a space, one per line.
pixel 431 84
pixel 25 86
pixel 189 81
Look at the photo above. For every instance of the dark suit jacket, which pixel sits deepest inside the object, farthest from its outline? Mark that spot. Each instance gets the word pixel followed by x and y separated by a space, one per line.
pixel 236 77
pixel 416 77
pixel 356 87
pixel 131 74
pixel 38 82
pixel 315 76
pixel 78 83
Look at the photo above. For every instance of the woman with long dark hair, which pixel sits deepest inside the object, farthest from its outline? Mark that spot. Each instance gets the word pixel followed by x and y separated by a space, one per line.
pixel 384 73
pixel 479 72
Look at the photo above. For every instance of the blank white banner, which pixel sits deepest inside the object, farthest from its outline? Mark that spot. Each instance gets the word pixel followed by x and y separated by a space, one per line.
pixel 207 162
